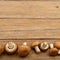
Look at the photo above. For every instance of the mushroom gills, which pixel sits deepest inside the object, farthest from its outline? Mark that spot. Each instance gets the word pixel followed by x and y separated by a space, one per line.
pixel 45 46
pixel 11 46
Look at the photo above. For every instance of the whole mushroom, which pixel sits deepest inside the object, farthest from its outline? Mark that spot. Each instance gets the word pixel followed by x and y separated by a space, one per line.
pixel 44 46
pixel 24 50
pixel 35 46
pixel 53 51
pixel 57 45
pixel 1 48
pixel 11 47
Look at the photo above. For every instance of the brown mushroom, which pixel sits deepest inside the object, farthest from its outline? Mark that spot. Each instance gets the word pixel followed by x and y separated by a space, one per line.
pixel 24 50
pixel 11 47
pixel 44 46
pixel 35 46
pixel 57 45
pixel 1 49
pixel 53 51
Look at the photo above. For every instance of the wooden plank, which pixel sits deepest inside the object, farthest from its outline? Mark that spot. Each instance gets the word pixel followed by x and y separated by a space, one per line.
pixel 29 28
pixel 29 24
pixel 29 9
pixel 32 55
pixel 30 34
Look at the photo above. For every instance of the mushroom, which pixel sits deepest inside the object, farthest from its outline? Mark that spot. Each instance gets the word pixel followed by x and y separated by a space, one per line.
pixel 53 51
pixel 35 46
pixel 44 46
pixel 10 47
pixel 57 45
pixel 1 49
pixel 24 50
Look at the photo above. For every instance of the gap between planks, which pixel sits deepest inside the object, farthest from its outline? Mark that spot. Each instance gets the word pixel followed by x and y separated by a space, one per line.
pixel 29 0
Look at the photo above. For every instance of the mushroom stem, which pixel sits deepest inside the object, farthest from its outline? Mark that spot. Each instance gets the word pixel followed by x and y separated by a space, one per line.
pixel 37 49
pixel 58 51
pixel 25 43
pixel 51 45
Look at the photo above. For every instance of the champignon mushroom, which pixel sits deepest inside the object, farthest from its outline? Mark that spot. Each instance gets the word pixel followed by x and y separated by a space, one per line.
pixel 53 51
pixel 24 50
pixel 44 46
pixel 57 45
pixel 11 47
pixel 1 48
pixel 35 46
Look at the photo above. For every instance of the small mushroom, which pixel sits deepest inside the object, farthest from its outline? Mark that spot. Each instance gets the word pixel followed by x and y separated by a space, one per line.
pixel 24 50
pixel 35 46
pixel 44 46
pixel 53 51
pixel 11 47
pixel 57 45
pixel 1 49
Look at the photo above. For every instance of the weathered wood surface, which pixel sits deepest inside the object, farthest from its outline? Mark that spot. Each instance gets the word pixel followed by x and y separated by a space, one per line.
pixel 29 9
pixel 29 21
pixel 29 28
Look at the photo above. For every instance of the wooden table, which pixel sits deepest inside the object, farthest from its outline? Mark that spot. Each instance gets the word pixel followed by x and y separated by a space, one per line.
pixel 29 21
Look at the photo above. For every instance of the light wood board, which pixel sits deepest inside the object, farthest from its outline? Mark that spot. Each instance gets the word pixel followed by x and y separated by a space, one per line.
pixel 29 9
pixel 29 28
pixel 28 21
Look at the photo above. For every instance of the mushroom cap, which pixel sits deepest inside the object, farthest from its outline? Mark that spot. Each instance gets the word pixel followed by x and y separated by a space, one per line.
pixel 57 45
pixel 44 46
pixel 36 43
pixel 10 47
pixel 1 49
pixel 23 51
pixel 53 51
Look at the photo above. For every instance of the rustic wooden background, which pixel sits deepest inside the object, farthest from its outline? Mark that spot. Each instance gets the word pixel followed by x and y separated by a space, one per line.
pixel 29 20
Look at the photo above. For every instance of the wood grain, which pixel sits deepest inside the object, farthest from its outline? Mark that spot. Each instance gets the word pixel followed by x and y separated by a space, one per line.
pixel 29 24
pixel 29 28
pixel 28 21
pixel 29 9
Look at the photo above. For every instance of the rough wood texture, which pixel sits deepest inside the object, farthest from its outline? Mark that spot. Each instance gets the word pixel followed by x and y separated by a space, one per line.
pixel 29 21
pixel 29 28
pixel 29 9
